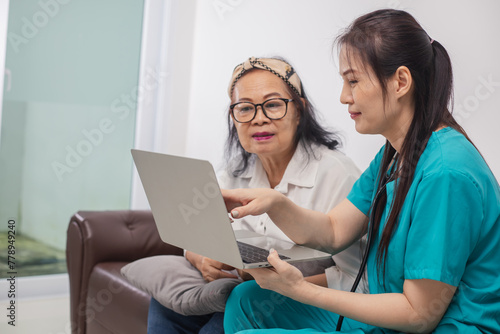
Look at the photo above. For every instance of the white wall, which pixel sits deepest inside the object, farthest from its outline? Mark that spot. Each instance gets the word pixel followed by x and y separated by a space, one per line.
pixel 226 32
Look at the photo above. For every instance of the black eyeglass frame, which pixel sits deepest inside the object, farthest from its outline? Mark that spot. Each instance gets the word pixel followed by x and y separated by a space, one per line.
pixel 231 107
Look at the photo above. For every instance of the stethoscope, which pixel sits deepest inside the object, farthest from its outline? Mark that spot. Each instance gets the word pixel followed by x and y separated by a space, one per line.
pixel 371 231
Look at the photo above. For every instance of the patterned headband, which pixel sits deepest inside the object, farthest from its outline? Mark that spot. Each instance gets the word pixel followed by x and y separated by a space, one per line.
pixel 278 67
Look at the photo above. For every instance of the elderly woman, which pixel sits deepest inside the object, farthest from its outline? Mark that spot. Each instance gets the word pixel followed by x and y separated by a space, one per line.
pixel 275 141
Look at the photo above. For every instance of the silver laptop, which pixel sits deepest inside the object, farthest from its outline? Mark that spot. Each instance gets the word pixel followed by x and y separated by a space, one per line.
pixel 190 213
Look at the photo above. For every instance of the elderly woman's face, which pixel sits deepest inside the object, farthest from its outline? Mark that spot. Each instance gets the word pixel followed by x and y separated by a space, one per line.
pixel 265 137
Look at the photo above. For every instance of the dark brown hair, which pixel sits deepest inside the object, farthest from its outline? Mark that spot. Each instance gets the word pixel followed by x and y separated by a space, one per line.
pixel 384 40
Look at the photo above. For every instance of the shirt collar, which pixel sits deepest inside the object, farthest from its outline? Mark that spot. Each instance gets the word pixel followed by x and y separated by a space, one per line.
pixel 301 170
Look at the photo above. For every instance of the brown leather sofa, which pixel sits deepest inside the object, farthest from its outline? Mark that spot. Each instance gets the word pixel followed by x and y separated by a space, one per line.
pixel 99 244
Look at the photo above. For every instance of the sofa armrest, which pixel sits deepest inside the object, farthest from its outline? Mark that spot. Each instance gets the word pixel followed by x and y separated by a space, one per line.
pixel 107 236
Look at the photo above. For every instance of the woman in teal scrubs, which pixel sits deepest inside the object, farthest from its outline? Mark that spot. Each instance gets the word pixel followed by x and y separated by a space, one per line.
pixel 428 201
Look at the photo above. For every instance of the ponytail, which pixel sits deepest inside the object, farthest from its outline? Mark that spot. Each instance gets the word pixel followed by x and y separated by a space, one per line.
pixel 384 40
pixel 443 88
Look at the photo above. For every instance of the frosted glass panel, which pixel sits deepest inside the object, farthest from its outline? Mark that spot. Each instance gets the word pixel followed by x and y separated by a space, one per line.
pixel 68 113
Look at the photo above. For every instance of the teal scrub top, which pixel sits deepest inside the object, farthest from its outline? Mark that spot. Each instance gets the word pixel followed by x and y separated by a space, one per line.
pixel 448 230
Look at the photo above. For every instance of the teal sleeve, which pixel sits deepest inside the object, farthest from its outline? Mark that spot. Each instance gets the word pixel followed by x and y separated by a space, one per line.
pixel 362 191
pixel 445 225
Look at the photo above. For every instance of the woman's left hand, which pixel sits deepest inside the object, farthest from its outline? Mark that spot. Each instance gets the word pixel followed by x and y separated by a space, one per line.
pixel 282 277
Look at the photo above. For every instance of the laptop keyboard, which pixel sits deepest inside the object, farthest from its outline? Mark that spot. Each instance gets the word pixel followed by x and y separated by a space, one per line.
pixel 254 254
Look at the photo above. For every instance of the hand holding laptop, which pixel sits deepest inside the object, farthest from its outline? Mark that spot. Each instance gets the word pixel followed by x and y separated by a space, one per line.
pixel 209 268
pixel 282 277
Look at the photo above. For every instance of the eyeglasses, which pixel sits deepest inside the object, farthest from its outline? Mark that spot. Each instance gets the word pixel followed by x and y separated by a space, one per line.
pixel 244 112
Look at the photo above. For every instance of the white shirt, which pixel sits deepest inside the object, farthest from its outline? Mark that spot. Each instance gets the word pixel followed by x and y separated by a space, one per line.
pixel 318 181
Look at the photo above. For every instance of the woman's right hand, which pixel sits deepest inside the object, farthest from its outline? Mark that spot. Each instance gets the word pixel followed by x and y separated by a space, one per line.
pixel 254 202
pixel 210 269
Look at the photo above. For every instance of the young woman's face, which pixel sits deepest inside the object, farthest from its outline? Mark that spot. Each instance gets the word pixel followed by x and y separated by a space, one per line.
pixel 263 136
pixel 362 93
